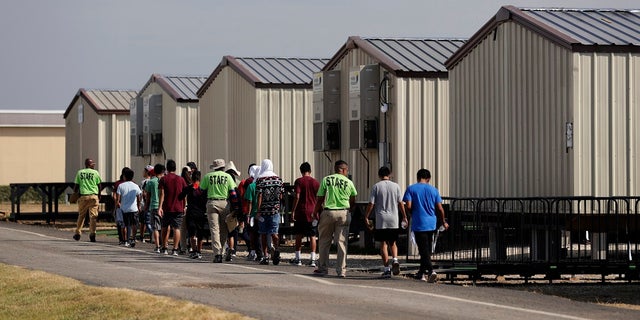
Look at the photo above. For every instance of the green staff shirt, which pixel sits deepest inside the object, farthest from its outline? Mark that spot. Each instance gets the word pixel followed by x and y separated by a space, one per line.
pixel 88 180
pixel 217 184
pixel 336 190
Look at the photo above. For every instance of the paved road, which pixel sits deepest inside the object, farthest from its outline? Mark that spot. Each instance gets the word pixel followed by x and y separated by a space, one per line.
pixel 282 292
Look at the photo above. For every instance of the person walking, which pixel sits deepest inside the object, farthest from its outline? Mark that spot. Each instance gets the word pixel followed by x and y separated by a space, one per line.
pixel 170 207
pixel 251 201
pixel 144 216
pixel 386 199
pixel 196 216
pixel 305 188
pixel 336 198
pixel 270 190
pixel 128 200
pixel 87 184
pixel 152 201
pixel 424 202
pixel 219 186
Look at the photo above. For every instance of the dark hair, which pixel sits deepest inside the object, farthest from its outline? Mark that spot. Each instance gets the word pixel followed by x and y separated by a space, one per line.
pixel 305 167
pixel 186 175
pixel 423 174
pixel 192 165
pixel 127 173
pixel 171 165
pixel 158 168
pixel 339 164
pixel 249 169
pixel 195 176
pixel 384 172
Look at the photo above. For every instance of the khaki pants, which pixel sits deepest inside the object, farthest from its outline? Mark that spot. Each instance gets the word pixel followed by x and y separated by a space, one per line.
pixel 333 226
pixel 217 211
pixel 87 204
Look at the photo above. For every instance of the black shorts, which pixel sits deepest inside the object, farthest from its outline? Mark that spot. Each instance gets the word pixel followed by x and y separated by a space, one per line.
pixel 305 228
pixel 129 218
pixel 196 224
pixel 386 234
pixel 172 219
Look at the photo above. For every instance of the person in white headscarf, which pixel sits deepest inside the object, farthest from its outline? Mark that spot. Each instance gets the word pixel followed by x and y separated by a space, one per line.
pixel 270 191
pixel 251 201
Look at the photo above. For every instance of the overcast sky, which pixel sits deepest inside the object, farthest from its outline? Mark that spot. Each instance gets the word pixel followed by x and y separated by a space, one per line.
pixel 50 49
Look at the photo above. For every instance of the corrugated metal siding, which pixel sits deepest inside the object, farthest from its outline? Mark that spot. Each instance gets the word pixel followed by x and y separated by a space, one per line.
pixel 417 54
pixel 510 102
pixel 606 94
pixel 283 70
pixel 285 131
pixel 593 26
pixel 421 125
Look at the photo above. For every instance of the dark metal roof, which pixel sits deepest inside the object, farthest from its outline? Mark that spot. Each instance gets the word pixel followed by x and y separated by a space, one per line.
pixel 579 30
pixel 104 101
pixel 180 88
pixel 592 26
pixel 406 57
pixel 31 118
pixel 270 72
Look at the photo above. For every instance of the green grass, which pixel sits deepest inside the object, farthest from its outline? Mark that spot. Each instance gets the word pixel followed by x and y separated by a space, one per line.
pixel 38 295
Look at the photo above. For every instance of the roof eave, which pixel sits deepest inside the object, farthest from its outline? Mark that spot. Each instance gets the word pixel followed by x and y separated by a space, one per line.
pixel 357 42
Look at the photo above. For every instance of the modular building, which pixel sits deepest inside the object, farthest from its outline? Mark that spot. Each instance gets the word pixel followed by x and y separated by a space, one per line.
pixel 97 127
pixel 385 101
pixel 257 108
pixel 164 122
pixel 546 102
pixel 32 146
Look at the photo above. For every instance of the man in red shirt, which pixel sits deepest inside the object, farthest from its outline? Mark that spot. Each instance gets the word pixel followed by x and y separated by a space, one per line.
pixel 305 188
pixel 171 208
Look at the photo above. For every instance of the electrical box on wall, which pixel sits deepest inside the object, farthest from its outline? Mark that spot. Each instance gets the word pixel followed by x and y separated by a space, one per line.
pixel 364 105
pixel 135 114
pixel 326 111
pixel 152 124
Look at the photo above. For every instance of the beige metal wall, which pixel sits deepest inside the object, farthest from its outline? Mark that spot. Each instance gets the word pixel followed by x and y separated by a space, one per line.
pixel 32 154
pixel 510 101
pixel 246 124
pixel 606 93
pixel 417 132
pixel 420 130
pixel 104 138
pixel 285 132
pixel 180 134
pixel 218 124
pixel 82 141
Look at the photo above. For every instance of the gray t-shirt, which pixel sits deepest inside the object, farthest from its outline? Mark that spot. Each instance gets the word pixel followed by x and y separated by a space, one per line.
pixel 385 195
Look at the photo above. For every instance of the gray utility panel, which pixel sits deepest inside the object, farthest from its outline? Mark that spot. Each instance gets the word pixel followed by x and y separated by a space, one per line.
pixel 135 114
pixel 152 124
pixel 364 106
pixel 326 111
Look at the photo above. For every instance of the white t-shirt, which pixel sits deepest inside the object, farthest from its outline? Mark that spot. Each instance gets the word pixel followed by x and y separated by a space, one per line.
pixel 129 192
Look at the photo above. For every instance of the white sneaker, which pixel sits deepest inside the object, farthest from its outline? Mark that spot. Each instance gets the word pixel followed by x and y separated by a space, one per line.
pixel 312 263
pixel 433 277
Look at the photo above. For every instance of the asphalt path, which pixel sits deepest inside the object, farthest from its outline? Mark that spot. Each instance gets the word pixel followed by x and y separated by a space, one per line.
pixel 276 292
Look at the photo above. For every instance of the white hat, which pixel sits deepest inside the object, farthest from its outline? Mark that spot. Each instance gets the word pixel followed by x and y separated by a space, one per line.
pixel 217 164
pixel 232 167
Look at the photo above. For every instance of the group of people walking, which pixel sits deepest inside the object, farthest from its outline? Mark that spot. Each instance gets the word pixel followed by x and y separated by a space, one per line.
pixel 183 205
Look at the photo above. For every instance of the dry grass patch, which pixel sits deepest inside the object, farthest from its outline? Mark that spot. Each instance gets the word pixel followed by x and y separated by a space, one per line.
pixel 30 294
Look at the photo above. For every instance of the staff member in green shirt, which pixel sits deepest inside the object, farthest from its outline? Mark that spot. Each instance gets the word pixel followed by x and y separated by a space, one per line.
pixel 88 184
pixel 219 186
pixel 336 197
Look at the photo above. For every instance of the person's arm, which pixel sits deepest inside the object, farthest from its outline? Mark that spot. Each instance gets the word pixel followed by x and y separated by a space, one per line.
pixel 403 212
pixel 318 208
pixel 296 199
pixel 352 202
pixel 259 204
pixel 160 200
pixel 366 215
pixel 440 210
